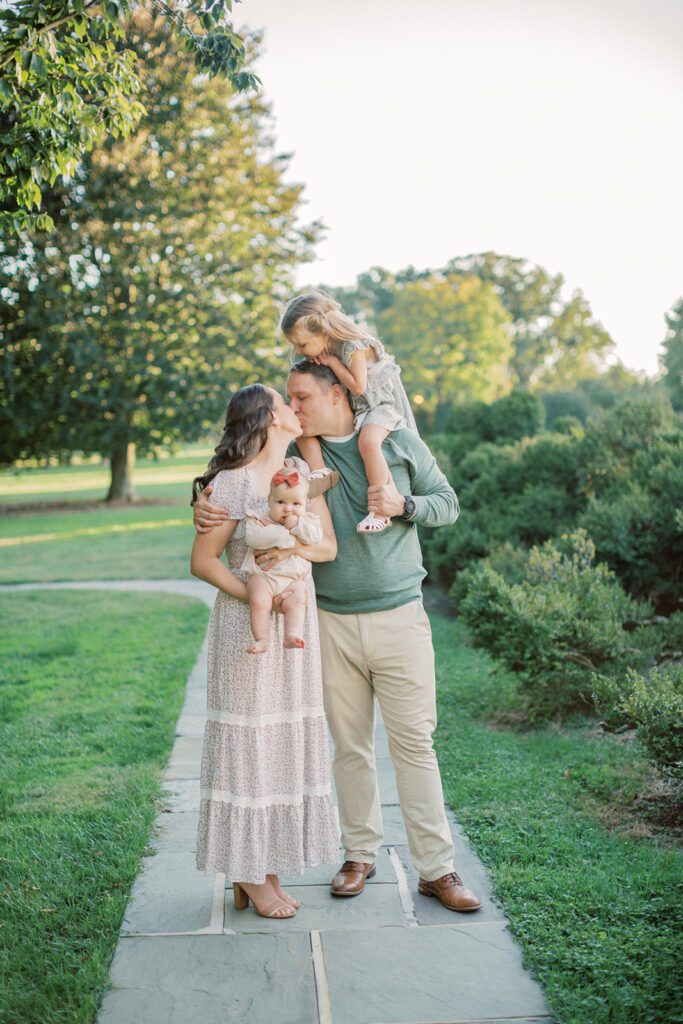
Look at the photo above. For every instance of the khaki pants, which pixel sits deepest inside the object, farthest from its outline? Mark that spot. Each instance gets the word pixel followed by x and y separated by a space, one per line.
pixel 389 655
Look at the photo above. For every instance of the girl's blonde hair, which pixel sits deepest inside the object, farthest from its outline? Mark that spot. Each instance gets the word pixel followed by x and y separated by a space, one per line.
pixel 319 313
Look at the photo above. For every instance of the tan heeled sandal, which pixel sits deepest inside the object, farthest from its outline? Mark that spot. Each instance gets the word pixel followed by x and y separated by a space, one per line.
pixel 242 899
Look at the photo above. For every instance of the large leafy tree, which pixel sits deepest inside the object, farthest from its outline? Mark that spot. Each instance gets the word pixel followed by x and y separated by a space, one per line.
pixel 155 296
pixel 450 335
pixel 672 358
pixel 67 81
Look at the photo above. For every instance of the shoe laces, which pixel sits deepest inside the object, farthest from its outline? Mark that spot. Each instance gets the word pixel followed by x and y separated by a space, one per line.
pixel 456 878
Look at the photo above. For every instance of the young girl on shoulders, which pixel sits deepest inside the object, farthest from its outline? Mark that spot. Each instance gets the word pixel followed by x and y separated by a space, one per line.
pixel 318 329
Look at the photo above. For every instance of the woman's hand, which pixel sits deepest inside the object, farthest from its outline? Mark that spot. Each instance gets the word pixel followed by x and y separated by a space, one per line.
pixel 206 515
pixel 271 557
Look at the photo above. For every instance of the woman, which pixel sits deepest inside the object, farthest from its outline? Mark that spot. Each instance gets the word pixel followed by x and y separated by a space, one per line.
pixel 266 804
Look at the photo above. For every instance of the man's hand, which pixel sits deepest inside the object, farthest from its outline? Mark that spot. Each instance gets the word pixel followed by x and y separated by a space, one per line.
pixel 385 500
pixel 206 515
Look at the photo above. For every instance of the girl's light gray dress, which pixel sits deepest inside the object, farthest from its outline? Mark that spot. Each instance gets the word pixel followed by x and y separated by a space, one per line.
pixel 384 401
pixel 266 799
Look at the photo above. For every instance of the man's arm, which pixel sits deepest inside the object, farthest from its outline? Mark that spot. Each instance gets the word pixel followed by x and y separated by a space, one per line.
pixel 436 503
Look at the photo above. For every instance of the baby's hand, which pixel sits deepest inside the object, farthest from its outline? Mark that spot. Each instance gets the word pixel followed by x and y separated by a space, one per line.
pixel 291 521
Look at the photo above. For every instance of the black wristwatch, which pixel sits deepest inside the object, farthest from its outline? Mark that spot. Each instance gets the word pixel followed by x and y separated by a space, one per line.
pixel 408 508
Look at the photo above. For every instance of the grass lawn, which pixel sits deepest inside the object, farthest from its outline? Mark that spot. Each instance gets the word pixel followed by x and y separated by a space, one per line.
pixel 127 542
pixel 81 539
pixel 589 880
pixel 168 478
pixel 90 693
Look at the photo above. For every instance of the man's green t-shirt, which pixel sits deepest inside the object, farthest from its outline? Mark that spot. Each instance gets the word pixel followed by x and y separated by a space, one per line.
pixel 375 572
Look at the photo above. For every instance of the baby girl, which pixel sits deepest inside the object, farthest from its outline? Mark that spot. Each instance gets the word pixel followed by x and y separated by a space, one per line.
pixel 288 522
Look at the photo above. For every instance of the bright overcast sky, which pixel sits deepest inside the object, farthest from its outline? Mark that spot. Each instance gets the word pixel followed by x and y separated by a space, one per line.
pixel 546 129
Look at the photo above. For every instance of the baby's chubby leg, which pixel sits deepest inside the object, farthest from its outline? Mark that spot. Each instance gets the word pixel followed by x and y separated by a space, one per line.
pixel 260 606
pixel 294 607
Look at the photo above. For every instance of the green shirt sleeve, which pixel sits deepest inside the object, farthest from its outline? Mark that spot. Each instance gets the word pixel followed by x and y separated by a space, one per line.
pixel 436 503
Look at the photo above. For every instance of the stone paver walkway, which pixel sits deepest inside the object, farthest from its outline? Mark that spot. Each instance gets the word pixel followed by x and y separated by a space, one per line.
pixel 389 956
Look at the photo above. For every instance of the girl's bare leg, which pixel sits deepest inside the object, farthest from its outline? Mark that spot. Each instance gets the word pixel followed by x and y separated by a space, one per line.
pixel 294 607
pixel 260 606
pixel 311 452
pixel 370 440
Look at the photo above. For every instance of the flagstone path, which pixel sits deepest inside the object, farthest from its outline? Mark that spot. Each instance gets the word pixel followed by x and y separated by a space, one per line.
pixel 389 956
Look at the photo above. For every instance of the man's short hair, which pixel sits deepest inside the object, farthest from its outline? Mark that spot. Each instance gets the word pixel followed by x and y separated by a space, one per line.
pixel 322 373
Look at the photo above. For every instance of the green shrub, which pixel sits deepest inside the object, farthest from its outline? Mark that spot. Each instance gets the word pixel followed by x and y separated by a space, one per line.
pixel 612 442
pixel 568 425
pixel 519 414
pixel 559 404
pixel 622 480
pixel 508 560
pixel 519 494
pixel 449 550
pixel 557 627
pixel 635 526
pixel 653 703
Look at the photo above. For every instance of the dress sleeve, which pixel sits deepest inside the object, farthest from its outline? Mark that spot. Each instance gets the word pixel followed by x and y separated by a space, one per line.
pixel 309 529
pixel 347 350
pixel 230 490
pixel 272 535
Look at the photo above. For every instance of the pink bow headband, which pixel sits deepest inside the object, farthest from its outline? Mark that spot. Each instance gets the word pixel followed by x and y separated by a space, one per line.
pixel 291 479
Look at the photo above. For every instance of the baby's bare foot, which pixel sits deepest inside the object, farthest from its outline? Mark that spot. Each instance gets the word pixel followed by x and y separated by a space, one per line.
pixel 293 641
pixel 258 647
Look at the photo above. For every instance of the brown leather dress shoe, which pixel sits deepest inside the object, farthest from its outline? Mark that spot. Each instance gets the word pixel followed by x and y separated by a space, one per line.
pixel 350 879
pixel 451 891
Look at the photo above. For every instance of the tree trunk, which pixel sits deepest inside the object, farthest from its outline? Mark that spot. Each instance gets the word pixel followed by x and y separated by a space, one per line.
pixel 122 462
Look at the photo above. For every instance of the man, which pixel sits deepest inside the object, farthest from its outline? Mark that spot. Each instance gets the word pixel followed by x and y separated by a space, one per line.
pixel 375 638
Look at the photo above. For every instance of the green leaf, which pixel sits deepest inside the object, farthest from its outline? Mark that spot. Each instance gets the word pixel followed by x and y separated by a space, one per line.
pixel 38 65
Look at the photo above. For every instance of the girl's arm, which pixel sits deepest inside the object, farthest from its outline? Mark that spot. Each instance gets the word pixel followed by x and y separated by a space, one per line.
pixel 324 551
pixel 206 563
pixel 355 379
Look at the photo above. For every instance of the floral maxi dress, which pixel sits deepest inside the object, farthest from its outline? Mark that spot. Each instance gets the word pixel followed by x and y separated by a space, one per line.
pixel 266 800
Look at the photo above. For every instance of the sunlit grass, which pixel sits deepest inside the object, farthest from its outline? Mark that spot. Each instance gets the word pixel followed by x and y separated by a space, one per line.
pixel 92 531
pixel 83 541
pixel 167 478
pixel 131 542
pixel 90 691
pixel 598 912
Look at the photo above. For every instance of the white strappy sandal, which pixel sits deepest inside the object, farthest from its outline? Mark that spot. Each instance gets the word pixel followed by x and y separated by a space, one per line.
pixel 373 524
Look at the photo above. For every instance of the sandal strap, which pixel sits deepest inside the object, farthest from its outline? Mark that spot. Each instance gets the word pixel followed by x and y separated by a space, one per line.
pixel 273 906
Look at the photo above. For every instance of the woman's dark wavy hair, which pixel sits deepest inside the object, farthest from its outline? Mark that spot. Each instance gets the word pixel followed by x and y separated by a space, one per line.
pixel 248 416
